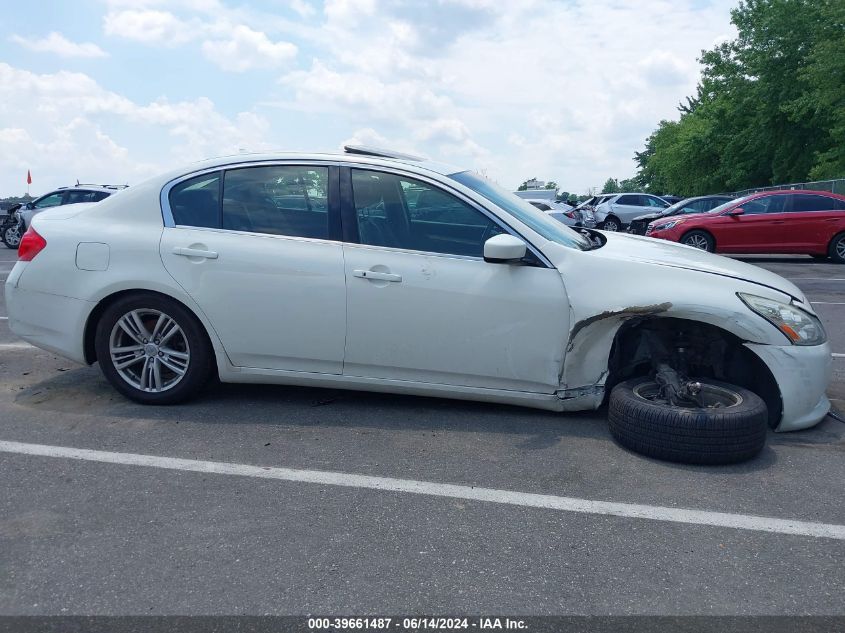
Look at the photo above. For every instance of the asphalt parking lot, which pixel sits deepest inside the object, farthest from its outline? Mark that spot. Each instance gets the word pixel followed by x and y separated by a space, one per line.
pixel 94 536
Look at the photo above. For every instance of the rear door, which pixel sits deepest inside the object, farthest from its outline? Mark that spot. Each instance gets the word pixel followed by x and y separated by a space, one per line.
pixel 628 206
pixel 812 221
pixel 257 248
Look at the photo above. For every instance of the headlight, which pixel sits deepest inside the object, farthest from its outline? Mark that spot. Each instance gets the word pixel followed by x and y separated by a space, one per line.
pixel 801 328
pixel 668 225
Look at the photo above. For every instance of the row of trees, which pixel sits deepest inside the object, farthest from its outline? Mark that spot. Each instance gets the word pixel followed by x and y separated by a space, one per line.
pixel 770 107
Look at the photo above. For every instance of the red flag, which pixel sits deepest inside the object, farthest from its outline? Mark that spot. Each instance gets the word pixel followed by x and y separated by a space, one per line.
pixel 28 177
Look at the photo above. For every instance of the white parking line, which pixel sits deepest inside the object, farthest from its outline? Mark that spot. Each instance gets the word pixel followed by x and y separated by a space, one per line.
pixel 838 355
pixel 4 318
pixel 16 346
pixel 827 303
pixel 490 495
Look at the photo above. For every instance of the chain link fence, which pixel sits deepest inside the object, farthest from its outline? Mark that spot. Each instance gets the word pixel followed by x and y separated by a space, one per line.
pixel 834 186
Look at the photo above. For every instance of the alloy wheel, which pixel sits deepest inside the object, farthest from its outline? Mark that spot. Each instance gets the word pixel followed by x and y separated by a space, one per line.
pixel 697 241
pixel 149 350
pixel 840 248
pixel 12 236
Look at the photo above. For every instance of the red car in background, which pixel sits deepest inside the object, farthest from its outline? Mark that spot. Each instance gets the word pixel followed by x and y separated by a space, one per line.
pixel 794 221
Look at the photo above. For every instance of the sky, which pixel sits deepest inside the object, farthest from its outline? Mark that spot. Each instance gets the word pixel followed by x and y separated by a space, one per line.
pixel 116 91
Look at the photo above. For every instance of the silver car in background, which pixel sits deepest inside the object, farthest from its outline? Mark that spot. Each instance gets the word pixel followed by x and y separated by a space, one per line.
pixel 616 211
pixel 569 215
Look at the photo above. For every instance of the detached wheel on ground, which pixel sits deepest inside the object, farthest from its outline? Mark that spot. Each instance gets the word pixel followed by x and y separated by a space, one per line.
pixel 153 350
pixel 700 240
pixel 836 250
pixel 612 224
pixel 730 428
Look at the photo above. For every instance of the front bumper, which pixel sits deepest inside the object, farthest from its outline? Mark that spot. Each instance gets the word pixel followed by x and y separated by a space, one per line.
pixel 802 375
pixel 51 322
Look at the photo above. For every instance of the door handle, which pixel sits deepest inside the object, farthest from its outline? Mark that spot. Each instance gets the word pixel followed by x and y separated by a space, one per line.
pixel 194 252
pixel 374 274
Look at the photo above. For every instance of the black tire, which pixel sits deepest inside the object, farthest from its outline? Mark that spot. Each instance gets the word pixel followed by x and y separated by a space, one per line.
pixel 11 237
pixel 836 250
pixel 199 364
pixel 724 435
pixel 701 240
pixel 611 223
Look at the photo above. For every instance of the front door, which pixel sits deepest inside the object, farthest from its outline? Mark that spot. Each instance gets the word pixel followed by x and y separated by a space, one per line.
pixel 424 306
pixel 260 264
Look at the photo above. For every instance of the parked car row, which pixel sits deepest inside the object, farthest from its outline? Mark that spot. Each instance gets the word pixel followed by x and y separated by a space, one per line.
pixel 777 222
pixel 20 216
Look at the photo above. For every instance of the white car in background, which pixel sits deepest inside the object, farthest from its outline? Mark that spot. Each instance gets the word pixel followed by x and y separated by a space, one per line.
pixel 383 272
pixel 565 213
pixel 615 212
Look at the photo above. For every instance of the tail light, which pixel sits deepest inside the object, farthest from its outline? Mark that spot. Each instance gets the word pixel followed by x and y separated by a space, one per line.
pixel 31 244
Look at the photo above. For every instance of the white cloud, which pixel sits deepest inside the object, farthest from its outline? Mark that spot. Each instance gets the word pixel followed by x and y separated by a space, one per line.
pixel 65 125
pixel 58 44
pixel 246 49
pixel 149 26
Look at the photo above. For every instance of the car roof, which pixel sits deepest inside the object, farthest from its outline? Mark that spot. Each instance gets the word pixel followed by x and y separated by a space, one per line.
pixel 829 194
pixel 383 158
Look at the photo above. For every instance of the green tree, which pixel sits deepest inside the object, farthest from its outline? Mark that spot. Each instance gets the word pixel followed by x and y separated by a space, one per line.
pixel 611 185
pixel 524 185
pixel 770 107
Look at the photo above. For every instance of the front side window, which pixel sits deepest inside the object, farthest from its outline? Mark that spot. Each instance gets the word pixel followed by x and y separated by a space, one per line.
pixel 764 204
pixel 399 212
pixel 277 199
pixel 51 200
pixel 651 201
pixel 808 202
pixel 196 201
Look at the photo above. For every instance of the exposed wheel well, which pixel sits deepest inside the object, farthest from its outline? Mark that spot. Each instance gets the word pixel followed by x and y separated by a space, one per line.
pixel 708 350
pixel 97 312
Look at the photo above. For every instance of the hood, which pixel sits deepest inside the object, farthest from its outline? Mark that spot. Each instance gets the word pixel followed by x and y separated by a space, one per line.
pixel 625 247
pixel 648 217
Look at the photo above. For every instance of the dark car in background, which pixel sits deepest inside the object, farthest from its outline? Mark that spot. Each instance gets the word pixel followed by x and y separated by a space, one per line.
pixel 700 204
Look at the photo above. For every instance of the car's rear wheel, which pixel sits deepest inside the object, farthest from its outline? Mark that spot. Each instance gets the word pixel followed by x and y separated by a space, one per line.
pixel 731 426
pixel 700 240
pixel 836 250
pixel 12 237
pixel 153 350
pixel 612 224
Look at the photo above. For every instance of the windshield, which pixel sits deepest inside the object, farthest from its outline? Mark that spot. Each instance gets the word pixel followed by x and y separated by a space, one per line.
pixel 537 221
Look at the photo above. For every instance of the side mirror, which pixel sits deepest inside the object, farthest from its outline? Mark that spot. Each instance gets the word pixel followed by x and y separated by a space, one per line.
pixel 737 211
pixel 504 249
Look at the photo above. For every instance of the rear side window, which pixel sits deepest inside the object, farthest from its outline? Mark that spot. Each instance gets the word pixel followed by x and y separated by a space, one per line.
pixel 278 200
pixel 651 201
pixel 74 197
pixel 196 201
pixel 633 200
pixel 807 202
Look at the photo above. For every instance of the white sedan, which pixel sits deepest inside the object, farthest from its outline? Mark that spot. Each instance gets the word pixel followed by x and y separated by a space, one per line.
pixel 383 272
